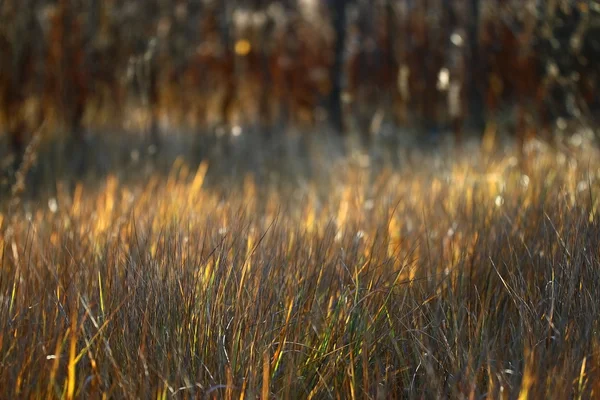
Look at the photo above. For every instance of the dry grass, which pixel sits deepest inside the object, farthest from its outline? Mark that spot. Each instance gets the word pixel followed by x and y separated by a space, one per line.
pixel 468 279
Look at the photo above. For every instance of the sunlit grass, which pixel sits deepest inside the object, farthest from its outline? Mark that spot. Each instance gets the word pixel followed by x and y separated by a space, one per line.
pixel 465 278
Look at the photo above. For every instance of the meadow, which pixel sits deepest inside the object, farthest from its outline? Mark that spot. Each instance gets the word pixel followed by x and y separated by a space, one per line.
pixel 462 275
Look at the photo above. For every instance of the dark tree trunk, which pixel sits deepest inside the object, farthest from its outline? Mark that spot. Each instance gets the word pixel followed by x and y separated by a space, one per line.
pixel 476 103
pixel 266 88
pixel 153 96
pixel 335 101
pixel 19 68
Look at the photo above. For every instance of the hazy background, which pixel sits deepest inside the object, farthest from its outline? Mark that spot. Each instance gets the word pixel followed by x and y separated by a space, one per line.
pixel 116 81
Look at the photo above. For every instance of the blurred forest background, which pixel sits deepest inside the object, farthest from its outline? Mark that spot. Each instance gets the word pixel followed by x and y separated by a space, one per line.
pixel 369 69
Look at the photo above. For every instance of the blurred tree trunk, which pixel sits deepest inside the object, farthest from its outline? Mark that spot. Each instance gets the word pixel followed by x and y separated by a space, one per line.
pixel 338 14
pixel 266 87
pixel 227 61
pixel 67 83
pixel 153 94
pixel 476 103
pixel 18 70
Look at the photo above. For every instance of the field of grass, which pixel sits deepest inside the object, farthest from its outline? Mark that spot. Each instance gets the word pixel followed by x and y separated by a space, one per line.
pixel 451 277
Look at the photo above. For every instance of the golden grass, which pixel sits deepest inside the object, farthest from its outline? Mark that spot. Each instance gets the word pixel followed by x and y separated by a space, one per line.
pixel 477 278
